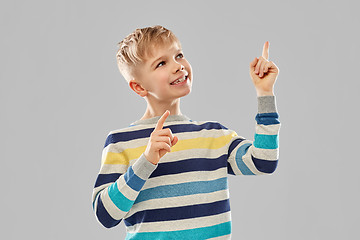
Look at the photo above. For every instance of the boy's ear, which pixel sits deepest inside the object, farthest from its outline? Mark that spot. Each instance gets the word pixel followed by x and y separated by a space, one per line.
pixel 136 87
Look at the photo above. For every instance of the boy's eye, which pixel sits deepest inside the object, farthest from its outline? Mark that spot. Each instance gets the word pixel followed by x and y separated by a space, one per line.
pixel 162 62
pixel 181 55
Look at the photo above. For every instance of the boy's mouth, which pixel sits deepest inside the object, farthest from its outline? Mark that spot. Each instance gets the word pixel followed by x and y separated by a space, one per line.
pixel 180 80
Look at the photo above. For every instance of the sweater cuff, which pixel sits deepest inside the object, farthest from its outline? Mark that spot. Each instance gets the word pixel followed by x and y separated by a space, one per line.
pixel 143 168
pixel 266 104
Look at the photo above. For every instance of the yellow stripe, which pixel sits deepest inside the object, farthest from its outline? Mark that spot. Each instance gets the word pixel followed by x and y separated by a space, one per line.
pixel 125 156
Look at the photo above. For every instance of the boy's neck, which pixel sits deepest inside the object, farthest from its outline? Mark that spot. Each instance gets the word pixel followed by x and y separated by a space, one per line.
pixel 159 110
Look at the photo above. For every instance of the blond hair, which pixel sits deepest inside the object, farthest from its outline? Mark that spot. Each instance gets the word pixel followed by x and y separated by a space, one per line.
pixel 138 46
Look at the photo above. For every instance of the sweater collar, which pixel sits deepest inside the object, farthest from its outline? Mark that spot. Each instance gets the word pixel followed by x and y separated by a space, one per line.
pixel 154 120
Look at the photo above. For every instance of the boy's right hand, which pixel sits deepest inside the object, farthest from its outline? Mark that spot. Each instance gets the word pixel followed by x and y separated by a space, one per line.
pixel 160 142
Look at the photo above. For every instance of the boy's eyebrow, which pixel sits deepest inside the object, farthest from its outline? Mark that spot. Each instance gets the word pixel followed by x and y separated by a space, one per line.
pixel 156 61
pixel 177 50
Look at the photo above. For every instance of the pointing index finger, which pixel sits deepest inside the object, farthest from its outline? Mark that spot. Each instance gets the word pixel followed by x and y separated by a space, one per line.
pixel 265 52
pixel 160 123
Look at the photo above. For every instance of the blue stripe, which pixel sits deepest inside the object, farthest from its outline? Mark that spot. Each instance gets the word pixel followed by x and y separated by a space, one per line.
pixel 104 218
pixel 196 233
pixel 133 180
pixel 121 202
pixel 239 161
pixel 182 189
pixel 190 165
pixel 230 170
pixel 266 141
pixel 234 144
pixel 267 118
pixel 265 166
pixel 177 213
pixel 144 133
pixel 106 178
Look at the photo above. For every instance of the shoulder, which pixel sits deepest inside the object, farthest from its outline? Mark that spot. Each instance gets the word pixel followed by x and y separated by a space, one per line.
pixel 209 127
pixel 219 128
pixel 212 124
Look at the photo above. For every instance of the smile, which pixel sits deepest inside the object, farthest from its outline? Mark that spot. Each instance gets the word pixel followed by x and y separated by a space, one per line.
pixel 179 81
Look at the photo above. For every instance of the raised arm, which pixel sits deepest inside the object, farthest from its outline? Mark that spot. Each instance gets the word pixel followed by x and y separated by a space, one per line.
pixel 246 157
pixel 261 155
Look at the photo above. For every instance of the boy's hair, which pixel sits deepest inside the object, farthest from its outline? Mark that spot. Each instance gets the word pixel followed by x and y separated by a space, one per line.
pixel 138 46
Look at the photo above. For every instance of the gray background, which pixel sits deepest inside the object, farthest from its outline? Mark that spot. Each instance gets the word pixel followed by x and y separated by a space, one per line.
pixel 61 93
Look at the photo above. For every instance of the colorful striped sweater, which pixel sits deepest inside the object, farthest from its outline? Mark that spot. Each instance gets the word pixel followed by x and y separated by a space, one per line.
pixel 185 195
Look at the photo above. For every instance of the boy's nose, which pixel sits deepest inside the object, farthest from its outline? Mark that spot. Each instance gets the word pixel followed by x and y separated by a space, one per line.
pixel 179 67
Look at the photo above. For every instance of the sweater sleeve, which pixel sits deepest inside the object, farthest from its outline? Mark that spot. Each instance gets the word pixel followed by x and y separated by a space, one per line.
pixel 246 157
pixel 118 185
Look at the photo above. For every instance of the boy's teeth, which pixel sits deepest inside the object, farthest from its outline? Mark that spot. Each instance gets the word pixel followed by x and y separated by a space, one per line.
pixel 179 80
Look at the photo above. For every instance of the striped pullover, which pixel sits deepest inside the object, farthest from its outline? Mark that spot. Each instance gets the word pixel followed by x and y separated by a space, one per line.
pixel 185 195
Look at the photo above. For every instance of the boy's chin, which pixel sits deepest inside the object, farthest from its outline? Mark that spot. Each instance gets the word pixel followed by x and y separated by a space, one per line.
pixel 182 95
pixel 187 93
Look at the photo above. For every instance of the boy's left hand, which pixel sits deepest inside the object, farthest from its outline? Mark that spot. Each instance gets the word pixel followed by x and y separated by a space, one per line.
pixel 264 73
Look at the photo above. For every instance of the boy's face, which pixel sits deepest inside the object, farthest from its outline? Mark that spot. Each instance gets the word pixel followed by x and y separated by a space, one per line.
pixel 157 74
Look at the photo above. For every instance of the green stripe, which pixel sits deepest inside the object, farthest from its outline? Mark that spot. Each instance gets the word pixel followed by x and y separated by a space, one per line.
pixel 122 202
pixel 266 141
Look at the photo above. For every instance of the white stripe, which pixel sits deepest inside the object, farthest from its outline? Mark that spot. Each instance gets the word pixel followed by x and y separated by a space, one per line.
pixel 129 129
pixel 234 166
pixel 113 168
pixel 267 129
pixel 266 154
pixel 225 237
pixel 126 190
pixel 99 188
pixel 107 149
pixel 181 224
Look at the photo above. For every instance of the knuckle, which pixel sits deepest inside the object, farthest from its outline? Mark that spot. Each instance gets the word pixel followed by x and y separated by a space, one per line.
pixel 166 146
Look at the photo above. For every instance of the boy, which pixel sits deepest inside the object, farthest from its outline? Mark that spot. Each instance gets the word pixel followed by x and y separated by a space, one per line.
pixel 165 175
